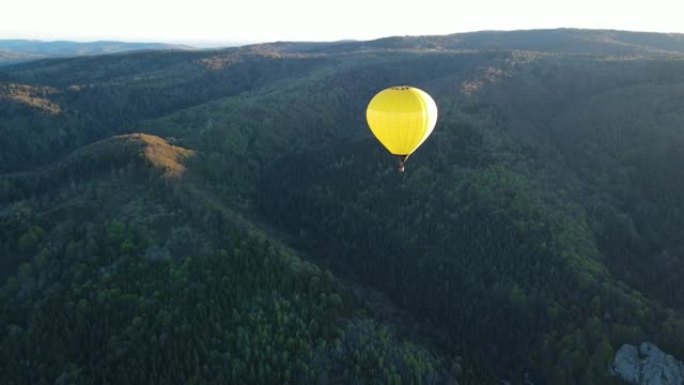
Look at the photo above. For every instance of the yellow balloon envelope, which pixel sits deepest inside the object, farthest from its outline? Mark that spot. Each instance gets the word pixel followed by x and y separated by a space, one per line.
pixel 402 118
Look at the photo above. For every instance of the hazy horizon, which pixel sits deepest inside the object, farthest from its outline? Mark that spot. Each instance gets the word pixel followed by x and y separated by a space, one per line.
pixel 205 23
pixel 194 44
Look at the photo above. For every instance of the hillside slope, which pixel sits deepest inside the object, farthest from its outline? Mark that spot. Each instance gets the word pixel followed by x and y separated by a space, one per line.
pixel 132 276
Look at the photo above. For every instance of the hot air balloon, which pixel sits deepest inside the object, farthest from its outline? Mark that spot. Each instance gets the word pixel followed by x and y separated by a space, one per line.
pixel 401 118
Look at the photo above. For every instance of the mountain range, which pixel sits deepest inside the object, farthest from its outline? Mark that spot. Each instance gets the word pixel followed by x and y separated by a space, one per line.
pixel 225 216
pixel 18 50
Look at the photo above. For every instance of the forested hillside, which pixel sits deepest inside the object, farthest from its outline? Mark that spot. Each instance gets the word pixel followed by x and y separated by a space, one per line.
pixel 129 275
pixel 247 234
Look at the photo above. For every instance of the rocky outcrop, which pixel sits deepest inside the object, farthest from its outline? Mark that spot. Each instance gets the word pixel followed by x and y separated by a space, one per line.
pixel 647 365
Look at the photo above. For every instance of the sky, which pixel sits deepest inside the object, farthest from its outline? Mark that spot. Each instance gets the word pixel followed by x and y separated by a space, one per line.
pixel 216 22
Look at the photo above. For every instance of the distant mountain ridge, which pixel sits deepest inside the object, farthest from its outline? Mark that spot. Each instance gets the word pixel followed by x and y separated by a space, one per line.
pixel 18 50
pixel 561 40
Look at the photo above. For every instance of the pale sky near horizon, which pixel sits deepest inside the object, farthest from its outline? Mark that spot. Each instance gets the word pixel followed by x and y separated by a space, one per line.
pixel 212 22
